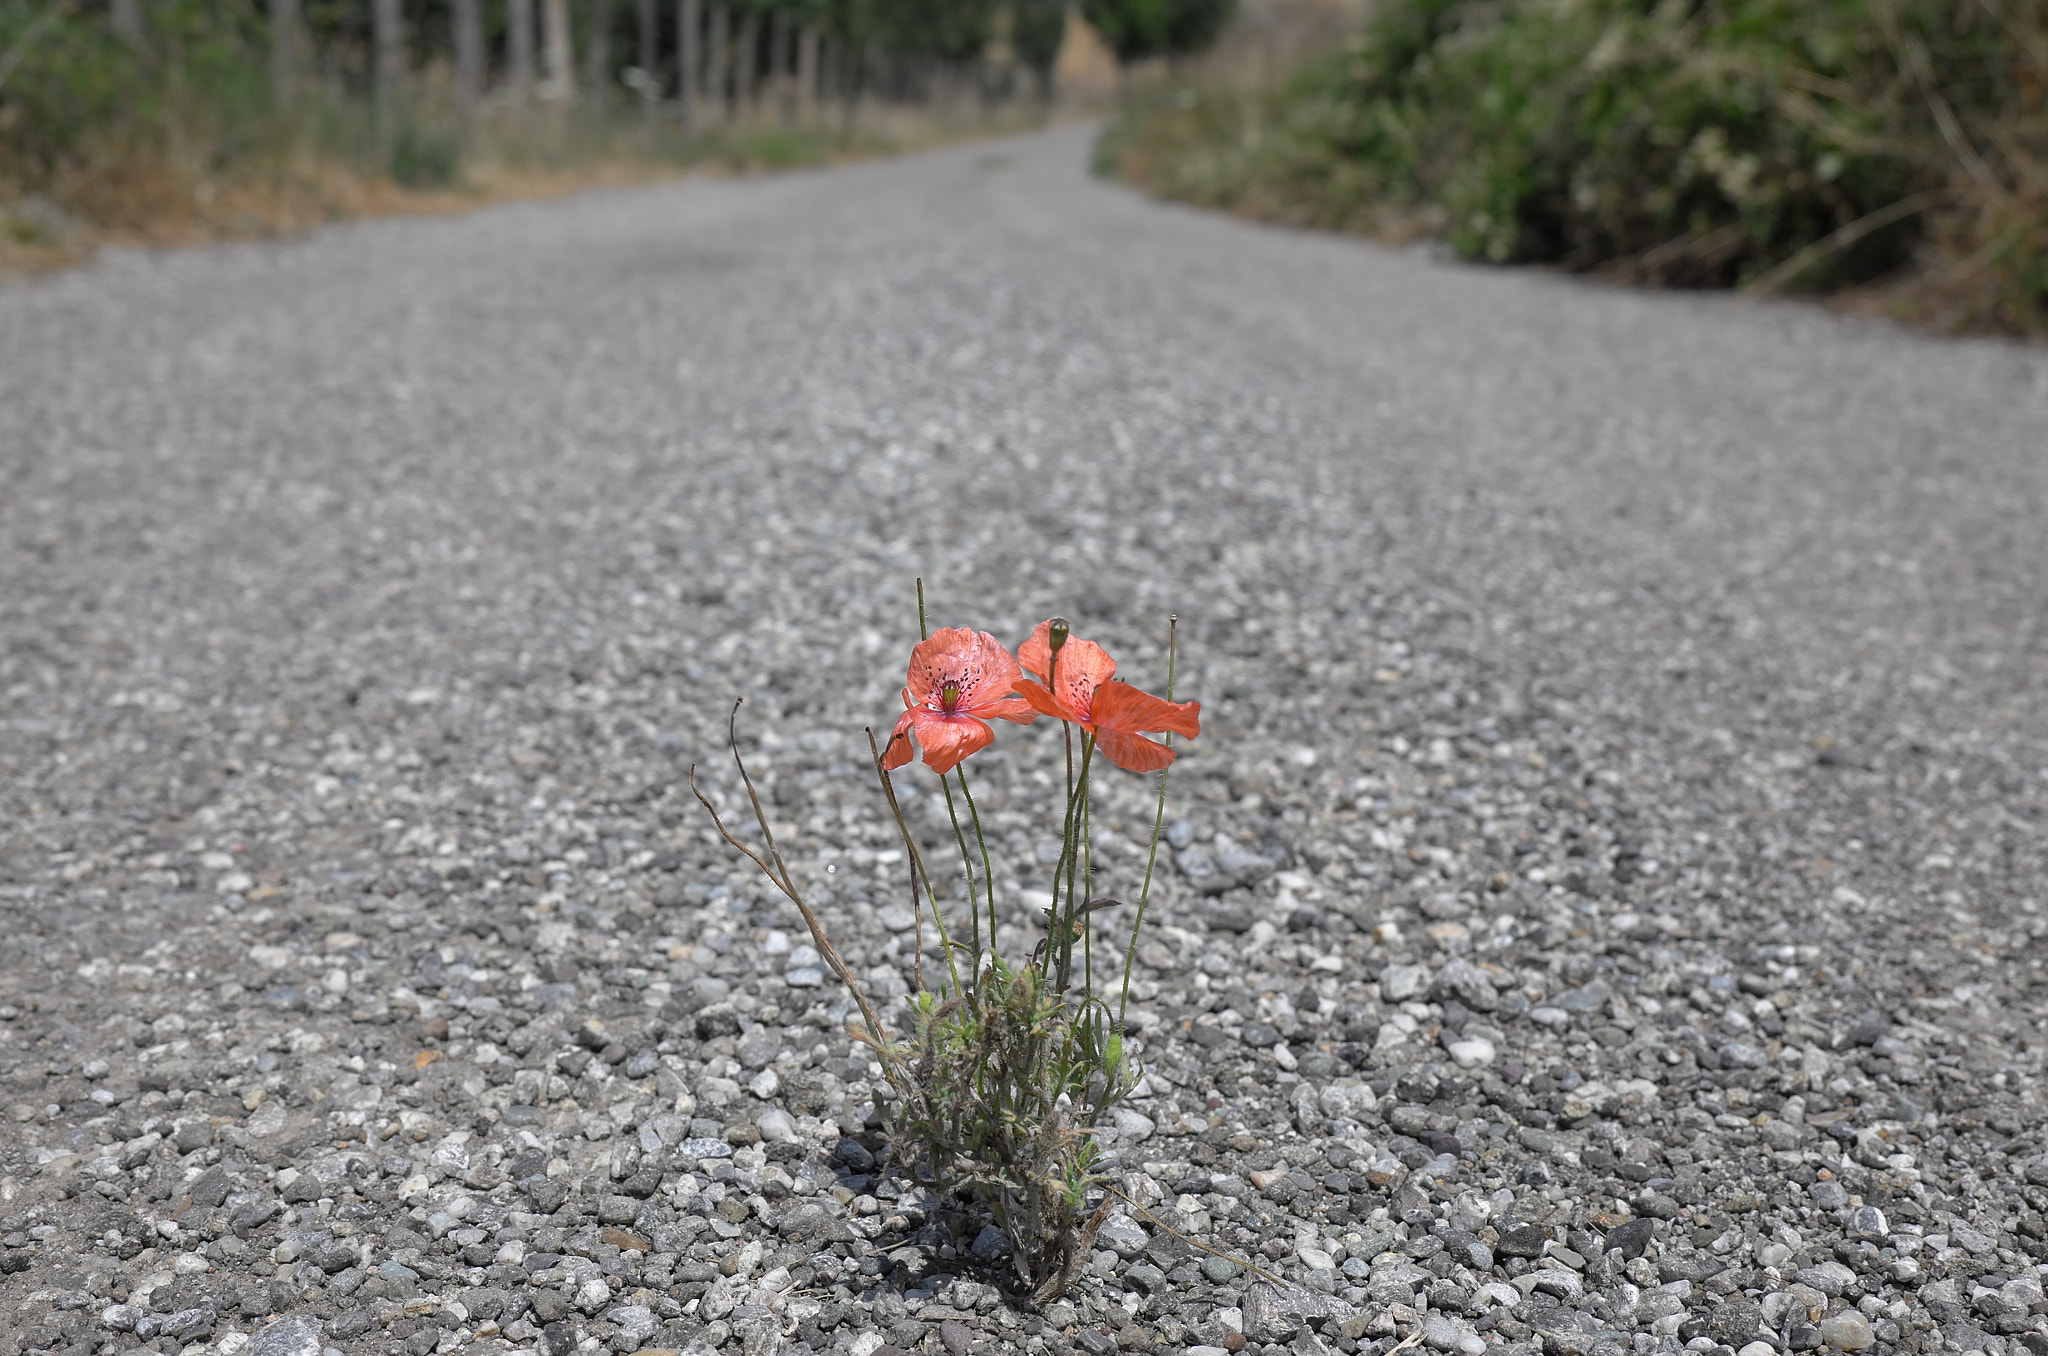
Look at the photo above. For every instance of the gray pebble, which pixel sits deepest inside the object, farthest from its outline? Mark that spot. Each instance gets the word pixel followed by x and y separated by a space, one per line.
pixel 298 1335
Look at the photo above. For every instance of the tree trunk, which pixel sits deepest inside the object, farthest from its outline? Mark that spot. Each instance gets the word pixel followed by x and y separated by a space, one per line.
pixel 778 63
pixel 689 58
pixel 646 26
pixel 519 48
pixel 387 34
pixel 807 73
pixel 746 65
pixel 557 52
pixel 867 77
pixel 284 49
pixel 718 62
pixel 597 56
pixel 125 18
pixel 468 19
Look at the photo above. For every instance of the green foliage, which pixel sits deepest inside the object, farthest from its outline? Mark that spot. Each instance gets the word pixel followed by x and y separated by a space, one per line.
pixel 1137 30
pixel 179 130
pixel 424 155
pixel 1697 142
pixel 1037 27
pixel 1726 136
pixel 944 30
pixel 67 76
pixel 1002 1082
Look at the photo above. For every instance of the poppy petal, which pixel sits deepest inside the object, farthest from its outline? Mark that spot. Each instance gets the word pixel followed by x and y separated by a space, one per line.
pixel 1081 667
pixel 1132 753
pixel 1011 707
pixel 1041 701
pixel 1119 706
pixel 1036 651
pixel 973 664
pixel 897 751
pixel 947 742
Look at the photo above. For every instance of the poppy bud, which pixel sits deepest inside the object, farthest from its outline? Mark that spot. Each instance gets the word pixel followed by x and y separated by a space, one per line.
pixel 1056 634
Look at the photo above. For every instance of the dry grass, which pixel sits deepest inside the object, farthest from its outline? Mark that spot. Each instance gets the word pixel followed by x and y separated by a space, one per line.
pixel 145 198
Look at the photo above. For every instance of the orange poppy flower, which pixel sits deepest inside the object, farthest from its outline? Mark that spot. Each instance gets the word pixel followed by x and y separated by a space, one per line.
pixel 1081 690
pixel 958 680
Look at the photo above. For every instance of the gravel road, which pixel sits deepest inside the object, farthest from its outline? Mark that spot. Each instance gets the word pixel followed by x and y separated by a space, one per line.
pixel 1606 902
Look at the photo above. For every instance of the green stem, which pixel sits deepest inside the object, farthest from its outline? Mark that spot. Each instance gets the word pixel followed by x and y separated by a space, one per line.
pixel 917 868
pixel 1069 865
pixel 988 871
pixel 1158 822
pixel 1053 914
pixel 1087 892
pixel 966 865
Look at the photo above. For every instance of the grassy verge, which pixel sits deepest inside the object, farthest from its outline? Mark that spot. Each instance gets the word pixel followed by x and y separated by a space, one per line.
pixel 107 142
pixel 140 195
pixel 1893 152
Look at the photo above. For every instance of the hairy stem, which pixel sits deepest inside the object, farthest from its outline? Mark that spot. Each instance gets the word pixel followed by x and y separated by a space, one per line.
pixel 1158 822
pixel 967 866
pixel 1070 861
pixel 988 872
pixel 917 872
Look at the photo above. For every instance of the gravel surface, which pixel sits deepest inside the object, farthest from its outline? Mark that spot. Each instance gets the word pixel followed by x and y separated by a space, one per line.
pixel 1606 902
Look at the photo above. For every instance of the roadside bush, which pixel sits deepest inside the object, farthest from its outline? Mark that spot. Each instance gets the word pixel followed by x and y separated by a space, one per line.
pixel 425 156
pixel 1767 143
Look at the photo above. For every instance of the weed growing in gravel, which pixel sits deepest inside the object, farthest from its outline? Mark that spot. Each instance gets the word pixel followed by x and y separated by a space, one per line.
pixel 1011 1062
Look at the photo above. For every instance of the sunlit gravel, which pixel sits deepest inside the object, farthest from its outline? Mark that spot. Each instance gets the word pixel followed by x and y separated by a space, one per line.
pixel 1602 914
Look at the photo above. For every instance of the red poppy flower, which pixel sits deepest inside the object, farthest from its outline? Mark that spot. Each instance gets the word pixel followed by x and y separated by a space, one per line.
pixel 1081 690
pixel 958 680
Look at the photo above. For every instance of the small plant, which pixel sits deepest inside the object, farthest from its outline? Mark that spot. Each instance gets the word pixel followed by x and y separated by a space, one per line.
pixel 1011 1062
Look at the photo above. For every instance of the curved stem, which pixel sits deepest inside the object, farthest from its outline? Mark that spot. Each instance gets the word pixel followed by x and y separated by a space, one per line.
pixel 779 876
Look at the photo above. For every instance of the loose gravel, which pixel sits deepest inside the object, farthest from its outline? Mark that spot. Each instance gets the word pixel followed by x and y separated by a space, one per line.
pixel 1602 914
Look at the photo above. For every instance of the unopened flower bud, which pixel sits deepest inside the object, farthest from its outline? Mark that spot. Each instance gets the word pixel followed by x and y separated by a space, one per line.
pixel 1056 634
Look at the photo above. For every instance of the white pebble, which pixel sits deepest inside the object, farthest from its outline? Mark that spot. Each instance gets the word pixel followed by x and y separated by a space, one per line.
pixel 1472 1051
pixel 1847 1331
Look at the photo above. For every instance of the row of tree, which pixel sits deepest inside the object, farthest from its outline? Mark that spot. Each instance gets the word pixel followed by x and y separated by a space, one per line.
pixel 708 57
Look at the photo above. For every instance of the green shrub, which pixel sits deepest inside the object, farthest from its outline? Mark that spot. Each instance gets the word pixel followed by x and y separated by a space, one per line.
pixel 425 156
pixel 1823 143
pixel 1704 143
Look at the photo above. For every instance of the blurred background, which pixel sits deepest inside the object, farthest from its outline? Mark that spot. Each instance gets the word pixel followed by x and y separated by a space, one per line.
pixel 1892 154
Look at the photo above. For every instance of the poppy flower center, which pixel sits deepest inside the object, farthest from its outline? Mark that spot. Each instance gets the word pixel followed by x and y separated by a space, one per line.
pixel 949 697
